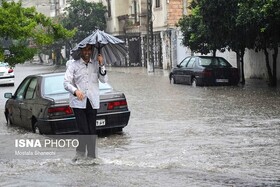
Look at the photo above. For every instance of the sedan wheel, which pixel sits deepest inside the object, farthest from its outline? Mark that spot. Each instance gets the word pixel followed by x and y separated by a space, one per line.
pixel 9 123
pixel 36 129
pixel 173 80
pixel 194 82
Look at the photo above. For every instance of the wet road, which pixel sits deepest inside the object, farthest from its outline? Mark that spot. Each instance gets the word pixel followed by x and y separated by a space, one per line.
pixel 177 136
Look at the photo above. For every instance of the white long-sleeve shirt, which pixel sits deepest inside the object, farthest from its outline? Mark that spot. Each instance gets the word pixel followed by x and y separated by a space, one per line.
pixel 80 76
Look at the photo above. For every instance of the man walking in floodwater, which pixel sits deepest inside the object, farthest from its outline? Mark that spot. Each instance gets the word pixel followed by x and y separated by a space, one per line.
pixel 82 81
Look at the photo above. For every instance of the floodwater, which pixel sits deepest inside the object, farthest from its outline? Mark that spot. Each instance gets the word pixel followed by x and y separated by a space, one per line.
pixel 177 135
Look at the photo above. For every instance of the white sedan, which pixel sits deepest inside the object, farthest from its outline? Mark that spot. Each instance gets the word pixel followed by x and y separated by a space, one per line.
pixel 6 74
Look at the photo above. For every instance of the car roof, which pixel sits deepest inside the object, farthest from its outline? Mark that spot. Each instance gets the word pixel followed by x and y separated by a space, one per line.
pixel 47 74
pixel 208 56
pixel 52 74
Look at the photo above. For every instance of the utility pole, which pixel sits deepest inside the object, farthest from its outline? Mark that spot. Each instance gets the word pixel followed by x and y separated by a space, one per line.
pixel 150 38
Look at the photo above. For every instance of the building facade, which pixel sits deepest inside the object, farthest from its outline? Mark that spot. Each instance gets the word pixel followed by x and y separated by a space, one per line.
pixel 128 20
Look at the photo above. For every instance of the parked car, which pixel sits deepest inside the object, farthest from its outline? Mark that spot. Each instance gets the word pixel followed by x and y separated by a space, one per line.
pixel 6 74
pixel 41 104
pixel 204 70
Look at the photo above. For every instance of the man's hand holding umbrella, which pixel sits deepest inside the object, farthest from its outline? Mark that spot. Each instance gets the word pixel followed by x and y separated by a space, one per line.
pixel 100 60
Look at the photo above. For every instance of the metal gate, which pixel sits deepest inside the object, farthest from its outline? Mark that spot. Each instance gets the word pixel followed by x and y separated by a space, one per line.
pixel 134 50
pixel 157 50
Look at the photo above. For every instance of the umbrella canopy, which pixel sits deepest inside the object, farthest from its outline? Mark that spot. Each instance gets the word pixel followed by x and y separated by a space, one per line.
pixel 112 49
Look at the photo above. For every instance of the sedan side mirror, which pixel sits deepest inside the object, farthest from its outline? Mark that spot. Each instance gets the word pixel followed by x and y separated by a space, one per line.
pixel 8 95
pixel 178 66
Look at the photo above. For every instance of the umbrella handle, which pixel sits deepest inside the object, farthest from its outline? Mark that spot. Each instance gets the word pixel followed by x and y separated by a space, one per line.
pixel 102 73
pixel 99 51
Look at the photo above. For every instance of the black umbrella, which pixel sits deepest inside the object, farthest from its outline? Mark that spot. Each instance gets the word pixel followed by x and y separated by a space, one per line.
pixel 112 49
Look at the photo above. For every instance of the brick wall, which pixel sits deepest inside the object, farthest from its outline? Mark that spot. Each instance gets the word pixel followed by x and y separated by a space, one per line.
pixel 175 11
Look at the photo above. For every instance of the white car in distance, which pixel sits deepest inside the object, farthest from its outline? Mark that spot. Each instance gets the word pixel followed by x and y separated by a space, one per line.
pixel 7 76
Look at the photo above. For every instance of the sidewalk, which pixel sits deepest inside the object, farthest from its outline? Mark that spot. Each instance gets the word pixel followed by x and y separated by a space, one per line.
pixel 132 70
pixel 139 70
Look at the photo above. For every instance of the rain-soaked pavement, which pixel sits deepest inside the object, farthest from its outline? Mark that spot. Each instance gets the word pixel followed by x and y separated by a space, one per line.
pixel 177 135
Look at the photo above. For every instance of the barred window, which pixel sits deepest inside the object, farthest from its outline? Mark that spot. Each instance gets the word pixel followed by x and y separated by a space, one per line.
pixel 157 3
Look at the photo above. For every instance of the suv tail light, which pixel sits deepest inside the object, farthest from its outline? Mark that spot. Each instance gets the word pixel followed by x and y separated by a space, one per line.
pixel 61 110
pixel 116 104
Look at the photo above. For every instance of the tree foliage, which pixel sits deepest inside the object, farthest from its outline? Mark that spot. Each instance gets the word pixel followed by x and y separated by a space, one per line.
pixel 208 27
pixel 262 19
pixel 195 32
pixel 85 17
pixel 234 25
pixel 23 26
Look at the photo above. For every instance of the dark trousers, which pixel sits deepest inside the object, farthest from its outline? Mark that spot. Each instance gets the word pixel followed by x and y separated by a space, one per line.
pixel 86 123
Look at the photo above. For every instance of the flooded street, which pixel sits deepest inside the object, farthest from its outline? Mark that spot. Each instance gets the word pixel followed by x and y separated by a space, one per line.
pixel 177 136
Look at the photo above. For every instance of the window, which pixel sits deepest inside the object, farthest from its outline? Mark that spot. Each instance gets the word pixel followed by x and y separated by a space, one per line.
pixel 157 3
pixel 191 62
pixel 224 63
pixel 31 89
pixel 135 11
pixel 204 61
pixel 109 8
pixel 104 86
pixel 21 90
pixel 213 61
pixel 54 85
pixel 184 62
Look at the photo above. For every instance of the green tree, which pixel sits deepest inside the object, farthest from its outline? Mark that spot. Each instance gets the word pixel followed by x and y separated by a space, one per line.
pixel 195 32
pixel 211 27
pixel 234 25
pixel 262 19
pixel 23 26
pixel 208 27
pixel 85 17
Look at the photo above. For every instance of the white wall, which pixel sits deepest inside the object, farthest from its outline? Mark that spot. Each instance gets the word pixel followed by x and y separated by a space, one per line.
pixel 159 17
pixel 182 51
pixel 254 63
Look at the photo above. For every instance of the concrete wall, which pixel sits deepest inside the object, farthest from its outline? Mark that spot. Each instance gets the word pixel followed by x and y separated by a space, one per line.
pixel 255 65
pixel 254 62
